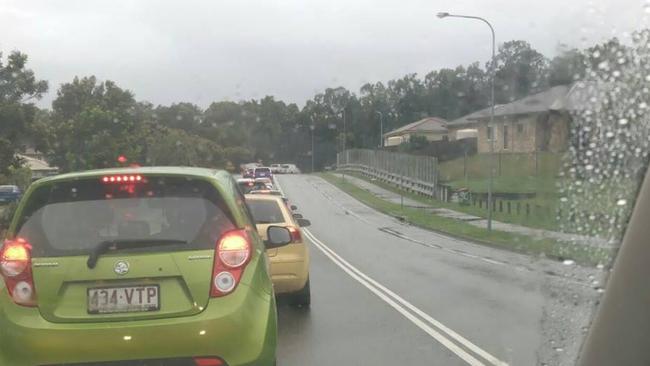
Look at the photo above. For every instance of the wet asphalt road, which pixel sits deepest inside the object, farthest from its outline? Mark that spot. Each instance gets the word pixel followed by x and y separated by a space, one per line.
pixel 385 293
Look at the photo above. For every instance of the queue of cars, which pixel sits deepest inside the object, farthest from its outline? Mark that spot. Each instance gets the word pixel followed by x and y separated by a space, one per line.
pixel 246 185
pixel 129 258
pixel 284 169
pixel 256 170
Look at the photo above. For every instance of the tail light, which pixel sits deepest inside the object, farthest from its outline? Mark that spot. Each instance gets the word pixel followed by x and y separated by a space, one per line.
pixel 16 269
pixel 208 361
pixel 296 236
pixel 233 252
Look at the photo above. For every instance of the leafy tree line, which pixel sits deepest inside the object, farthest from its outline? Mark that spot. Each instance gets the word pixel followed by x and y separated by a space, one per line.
pixel 91 122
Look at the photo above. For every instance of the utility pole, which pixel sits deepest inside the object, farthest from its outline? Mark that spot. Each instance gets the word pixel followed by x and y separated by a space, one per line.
pixel 312 128
pixel 381 129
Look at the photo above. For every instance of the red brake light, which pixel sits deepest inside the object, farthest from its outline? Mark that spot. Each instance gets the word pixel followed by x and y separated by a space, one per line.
pixel 16 269
pixel 14 258
pixel 296 236
pixel 234 249
pixel 122 178
pixel 232 252
pixel 205 361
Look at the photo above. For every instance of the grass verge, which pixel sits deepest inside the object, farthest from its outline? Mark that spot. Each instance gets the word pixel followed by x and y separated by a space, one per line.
pixel 500 239
pixel 534 221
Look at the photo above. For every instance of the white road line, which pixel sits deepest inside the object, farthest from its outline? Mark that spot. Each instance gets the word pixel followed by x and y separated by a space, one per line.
pixel 427 329
pixel 376 288
pixel 392 298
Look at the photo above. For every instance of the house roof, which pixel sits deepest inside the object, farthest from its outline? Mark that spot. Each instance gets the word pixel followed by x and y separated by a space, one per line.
pixel 36 164
pixel 585 95
pixel 534 103
pixel 470 119
pixel 429 124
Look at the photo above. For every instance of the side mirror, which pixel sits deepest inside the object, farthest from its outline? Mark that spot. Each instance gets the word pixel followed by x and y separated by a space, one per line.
pixel 278 236
pixel 297 216
pixel 294 207
pixel 303 222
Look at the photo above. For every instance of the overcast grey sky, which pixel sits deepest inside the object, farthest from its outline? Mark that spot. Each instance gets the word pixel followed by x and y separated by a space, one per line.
pixel 202 51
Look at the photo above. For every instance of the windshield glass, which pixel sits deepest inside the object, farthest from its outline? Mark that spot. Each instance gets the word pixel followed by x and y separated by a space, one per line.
pixel 265 211
pixel 70 218
pixel 459 179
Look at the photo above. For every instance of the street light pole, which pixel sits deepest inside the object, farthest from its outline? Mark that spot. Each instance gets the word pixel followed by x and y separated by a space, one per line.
pixel 491 124
pixel 381 129
pixel 312 128
pixel 345 143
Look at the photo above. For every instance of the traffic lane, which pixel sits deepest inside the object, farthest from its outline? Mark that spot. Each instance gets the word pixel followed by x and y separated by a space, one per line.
pixel 494 309
pixel 500 308
pixel 348 325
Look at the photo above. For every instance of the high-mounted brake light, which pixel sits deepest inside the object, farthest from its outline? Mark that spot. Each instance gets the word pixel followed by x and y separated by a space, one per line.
pixel 232 253
pixel 131 178
pixel 16 269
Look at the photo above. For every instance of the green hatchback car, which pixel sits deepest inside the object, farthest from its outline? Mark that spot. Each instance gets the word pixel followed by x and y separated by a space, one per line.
pixel 136 266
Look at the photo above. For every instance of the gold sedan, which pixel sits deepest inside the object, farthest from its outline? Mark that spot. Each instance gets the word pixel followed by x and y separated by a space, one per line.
pixel 290 263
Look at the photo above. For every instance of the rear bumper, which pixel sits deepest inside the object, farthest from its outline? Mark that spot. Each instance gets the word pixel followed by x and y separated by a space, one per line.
pixel 289 276
pixel 241 328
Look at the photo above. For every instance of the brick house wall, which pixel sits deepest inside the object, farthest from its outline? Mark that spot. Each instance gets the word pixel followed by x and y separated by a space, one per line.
pixel 559 123
pixel 521 134
pixel 526 133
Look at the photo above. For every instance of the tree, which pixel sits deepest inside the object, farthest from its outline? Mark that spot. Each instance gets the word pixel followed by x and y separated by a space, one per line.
pixel 18 88
pixel 452 93
pixel 520 71
pixel 94 123
pixel 238 155
pixel 174 147
pixel 184 116
pixel 415 143
pixel 566 68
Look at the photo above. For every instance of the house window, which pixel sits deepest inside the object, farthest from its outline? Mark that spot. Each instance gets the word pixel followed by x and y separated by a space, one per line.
pixel 520 128
pixel 505 137
pixel 490 133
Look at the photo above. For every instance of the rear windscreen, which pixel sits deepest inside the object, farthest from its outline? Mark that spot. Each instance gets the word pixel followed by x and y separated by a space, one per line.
pixel 70 218
pixel 246 187
pixel 265 212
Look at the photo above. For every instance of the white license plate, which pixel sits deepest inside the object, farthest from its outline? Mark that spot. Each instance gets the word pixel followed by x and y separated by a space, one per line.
pixel 105 300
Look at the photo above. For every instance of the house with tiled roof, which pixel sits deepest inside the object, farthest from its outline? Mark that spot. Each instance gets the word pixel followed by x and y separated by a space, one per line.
pixel 432 128
pixel 538 122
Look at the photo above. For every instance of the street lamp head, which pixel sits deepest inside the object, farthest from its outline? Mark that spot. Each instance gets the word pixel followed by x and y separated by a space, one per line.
pixel 442 15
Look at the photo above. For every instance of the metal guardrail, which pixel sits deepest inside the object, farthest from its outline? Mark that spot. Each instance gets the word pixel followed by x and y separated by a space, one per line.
pixel 412 173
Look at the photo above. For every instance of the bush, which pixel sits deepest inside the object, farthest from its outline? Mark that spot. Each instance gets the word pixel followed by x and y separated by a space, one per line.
pixel 6 214
pixel 22 177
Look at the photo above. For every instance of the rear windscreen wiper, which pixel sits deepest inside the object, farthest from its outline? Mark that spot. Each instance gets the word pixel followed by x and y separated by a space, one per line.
pixel 107 245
